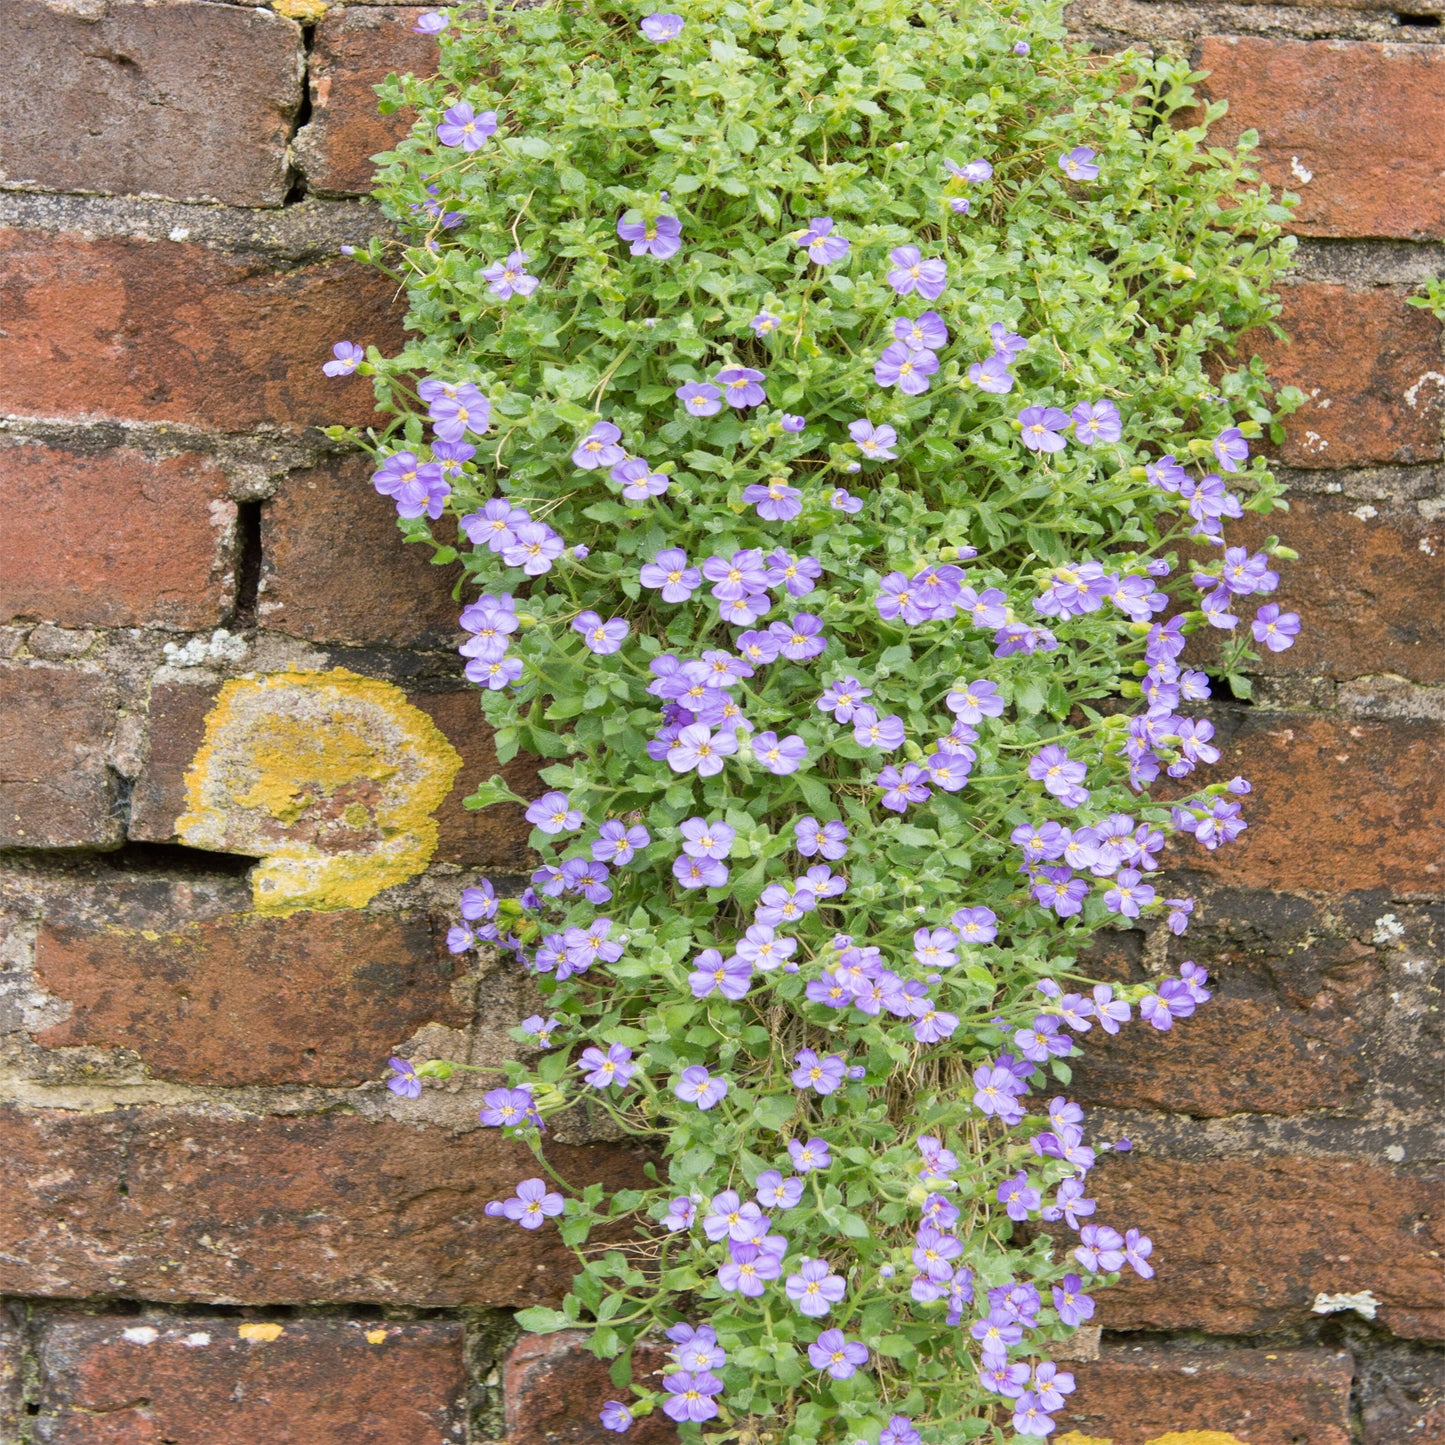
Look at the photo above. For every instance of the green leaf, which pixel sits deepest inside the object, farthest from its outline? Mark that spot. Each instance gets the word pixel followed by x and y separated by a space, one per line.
pixel 538 1320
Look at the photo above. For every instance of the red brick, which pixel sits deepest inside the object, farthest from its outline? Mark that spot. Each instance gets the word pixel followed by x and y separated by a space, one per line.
pixel 1363 119
pixel 1246 1244
pixel 354 50
pixel 124 1380
pixel 1133 1394
pixel 122 539
pixel 1282 1035
pixel 553 1387
pixel 494 837
pixel 160 331
pixel 1371 367
pixel 316 998
pixel 337 570
pixel 1367 587
pixel 190 101
pixel 159 1204
pixel 1337 804
pixel 55 789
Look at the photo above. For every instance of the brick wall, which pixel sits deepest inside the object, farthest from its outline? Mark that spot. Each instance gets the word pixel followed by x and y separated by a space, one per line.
pixel 215 1225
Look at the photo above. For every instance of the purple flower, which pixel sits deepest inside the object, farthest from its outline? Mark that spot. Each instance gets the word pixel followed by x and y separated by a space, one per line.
pixel 840 1357
pixel 1096 421
pixel 532 1204
pixel 1002 1378
pixel 1194 978
pixel 404 1081
pixel 795 574
pixel 764 323
pixel 800 639
pixel 912 273
pixel 706 840
pixel 813 1289
pixel 975 701
pixel 429 23
pixel 1041 427
pixel 1059 774
pixel 1059 889
pixel 1070 1204
pixel 553 813
pixel 830 839
pixel 823 1076
pixel 902 786
pixel 348 357
pixel 763 949
pixel 690 1398
pixel 1030 1418
pixel 975 925
pixel 791 423
pixel 697 747
pixel 843 698
pixel 614 1414
pixel 1100 1248
pixel 905 368
pixel 1073 1305
pixel 509 278
pixel 928 333
pixel 1078 164
pixel 1042 1039
pixel 712 973
pixel 613 1067
pixel 775 500
pixel 1021 47
pixel 875 442
pixel 661 237
pixel 810 1156
pixel 540 1029
pixel 495 525
pixel 741 386
pixel 1137 1249
pixel 1128 895
pixel 600 637
pixel 1275 629
pixel 776 1192
pixel 639 481
pixel 995 1333
pixel 1052 1384
pixel 844 501
pixel 680 1214
pixel 584 946
pixel 461 126
pixel 779 756
pixel 992 375
pixel 938 1162
pixel 696 1349
pixel 578 875
pixel 949 770
pixel 1110 1012
pixel 1230 449
pixel 1175 1000
pixel 661 28
pixel 747 1268
pixel 599 448
pixel 534 548
pixel 971 172
pixel 700 398
pixel 670 572
pixel 617 843
pixel 418 488
pixel 699 872
pixel 824 248
pixel 996 1091
pixel 508 1108
pixel 1019 1197
pixel 697 1086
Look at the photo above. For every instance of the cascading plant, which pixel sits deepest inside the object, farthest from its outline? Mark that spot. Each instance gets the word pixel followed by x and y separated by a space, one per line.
pixel 818 392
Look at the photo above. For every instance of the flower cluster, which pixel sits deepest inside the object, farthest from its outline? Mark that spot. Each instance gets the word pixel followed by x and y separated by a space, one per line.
pixel 836 781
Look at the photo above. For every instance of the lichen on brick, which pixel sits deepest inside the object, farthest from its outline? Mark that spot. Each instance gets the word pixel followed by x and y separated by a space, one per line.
pixel 330 778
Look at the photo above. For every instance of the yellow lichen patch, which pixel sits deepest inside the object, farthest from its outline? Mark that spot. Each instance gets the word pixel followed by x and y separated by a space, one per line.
pixel 1196 1437
pixel 307 12
pixel 331 779
pixel 1074 1438
pixel 260 1334
pixel 376 1337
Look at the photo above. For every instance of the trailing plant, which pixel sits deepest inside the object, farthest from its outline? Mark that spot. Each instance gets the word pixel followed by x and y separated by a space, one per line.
pixel 822 396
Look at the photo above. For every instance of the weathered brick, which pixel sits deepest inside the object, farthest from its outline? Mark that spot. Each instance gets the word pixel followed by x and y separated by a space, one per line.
pixel 336 569
pixel 1337 804
pixel 1246 1244
pixel 1134 1394
pixel 119 540
pixel 151 1203
pixel 354 50
pixel 189 101
pixel 12 1361
pixel 164 331
pixel 315 998
pixel 1352 128
pixel 495 837
pixel 1286 1032
pixel 1371 367
pixel 55 790
pixel 198 1380
pixel 553 1387
pixel 1367 587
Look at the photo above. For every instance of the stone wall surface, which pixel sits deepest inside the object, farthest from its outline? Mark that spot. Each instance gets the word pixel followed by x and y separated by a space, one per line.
pixel 216 1225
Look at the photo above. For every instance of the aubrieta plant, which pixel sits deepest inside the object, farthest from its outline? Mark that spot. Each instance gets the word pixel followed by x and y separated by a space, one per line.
pixel 819 395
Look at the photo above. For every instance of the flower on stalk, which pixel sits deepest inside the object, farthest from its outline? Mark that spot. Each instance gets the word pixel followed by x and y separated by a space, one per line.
pixel 462 126
pixel 1078 164
pixel 825 248
pixel 661 237
pixel 531 1206
pixel 660 29
pixel 347 357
